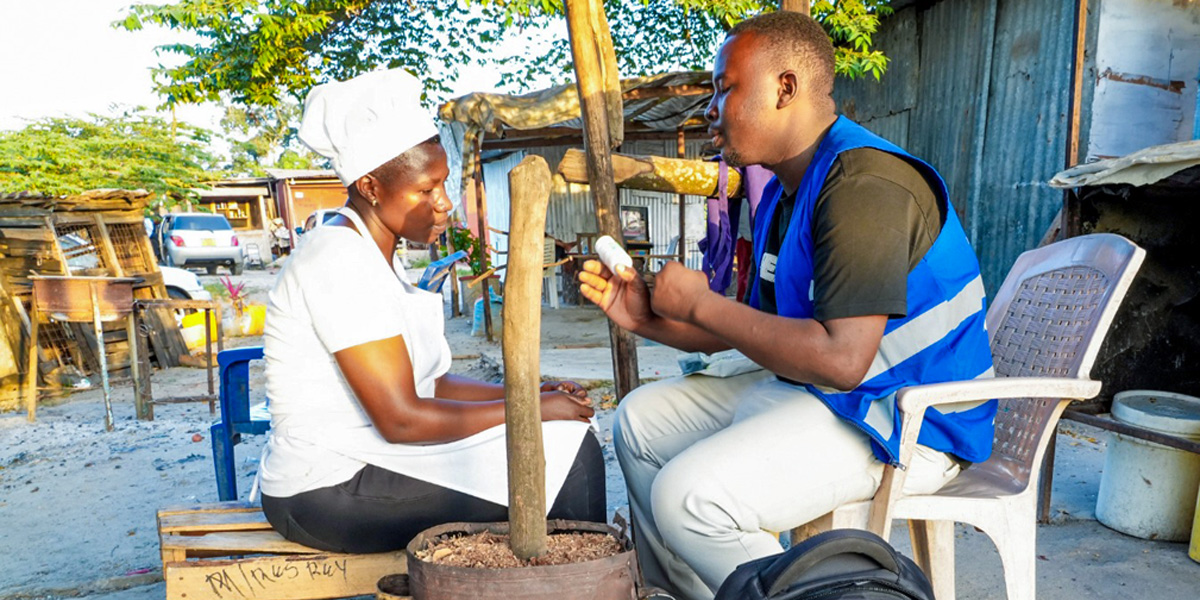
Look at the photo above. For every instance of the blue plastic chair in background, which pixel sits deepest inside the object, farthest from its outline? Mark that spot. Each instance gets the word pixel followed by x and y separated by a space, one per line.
pixel 237 417
pixel 437 271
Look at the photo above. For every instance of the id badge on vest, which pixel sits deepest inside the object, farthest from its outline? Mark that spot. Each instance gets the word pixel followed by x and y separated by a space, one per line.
pixel 766 268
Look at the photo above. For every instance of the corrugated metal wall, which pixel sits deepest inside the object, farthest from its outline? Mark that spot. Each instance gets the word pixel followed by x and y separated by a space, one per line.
pixel 979 89
pixel 495 185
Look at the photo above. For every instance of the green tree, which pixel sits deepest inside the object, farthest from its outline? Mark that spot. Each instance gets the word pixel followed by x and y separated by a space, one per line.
pixel 261 52
pixel 59 156
pixel 262 137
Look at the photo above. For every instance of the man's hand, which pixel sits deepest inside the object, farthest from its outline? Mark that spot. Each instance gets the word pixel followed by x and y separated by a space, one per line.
pixel 623 297
pixel 561 406
pixel 677 289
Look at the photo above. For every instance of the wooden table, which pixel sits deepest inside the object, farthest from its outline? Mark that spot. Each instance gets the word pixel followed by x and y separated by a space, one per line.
pixel 82 299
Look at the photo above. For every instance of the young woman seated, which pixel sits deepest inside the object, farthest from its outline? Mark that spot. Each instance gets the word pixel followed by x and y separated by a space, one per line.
pixel 372 440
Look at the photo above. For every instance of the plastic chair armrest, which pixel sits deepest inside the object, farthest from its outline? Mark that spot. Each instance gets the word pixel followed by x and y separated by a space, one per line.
pixel 913 401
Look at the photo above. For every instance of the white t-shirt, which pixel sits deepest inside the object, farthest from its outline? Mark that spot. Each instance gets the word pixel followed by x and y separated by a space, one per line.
pixel 335 292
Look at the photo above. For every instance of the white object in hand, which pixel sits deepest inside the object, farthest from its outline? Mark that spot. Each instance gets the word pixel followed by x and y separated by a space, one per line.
pixel 612 254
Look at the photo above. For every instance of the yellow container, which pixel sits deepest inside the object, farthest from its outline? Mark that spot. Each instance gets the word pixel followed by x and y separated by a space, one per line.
pixel 193 330
pixel 253 318
pixel 1194 550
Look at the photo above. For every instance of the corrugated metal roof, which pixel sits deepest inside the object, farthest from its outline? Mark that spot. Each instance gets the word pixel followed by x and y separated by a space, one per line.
pixel 233 192
pixel 1146 166
pixel 653 102
pixel 302 173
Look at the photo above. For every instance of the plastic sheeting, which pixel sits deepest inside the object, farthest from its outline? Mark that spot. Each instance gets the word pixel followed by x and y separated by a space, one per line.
pixel 1143 167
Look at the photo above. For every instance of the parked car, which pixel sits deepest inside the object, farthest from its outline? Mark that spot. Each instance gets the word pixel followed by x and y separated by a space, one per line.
pixel 200 240
pixel 182 284
pixel 319 217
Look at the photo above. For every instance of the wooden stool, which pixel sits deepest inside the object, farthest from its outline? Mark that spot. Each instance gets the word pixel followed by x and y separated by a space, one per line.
pixel 228 550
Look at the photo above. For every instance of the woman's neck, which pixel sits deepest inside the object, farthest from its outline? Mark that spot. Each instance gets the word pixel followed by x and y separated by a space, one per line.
pixel 384 239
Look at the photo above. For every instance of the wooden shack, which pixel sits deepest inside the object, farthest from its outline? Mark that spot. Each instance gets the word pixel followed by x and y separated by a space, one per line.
pixel 98 233
pixel 663 117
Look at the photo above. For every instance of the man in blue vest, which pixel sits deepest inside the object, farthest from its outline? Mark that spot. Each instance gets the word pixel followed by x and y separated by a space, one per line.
pixel 864 283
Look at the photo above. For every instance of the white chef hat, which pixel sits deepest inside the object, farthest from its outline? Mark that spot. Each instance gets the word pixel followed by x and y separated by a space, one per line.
pixel 365 122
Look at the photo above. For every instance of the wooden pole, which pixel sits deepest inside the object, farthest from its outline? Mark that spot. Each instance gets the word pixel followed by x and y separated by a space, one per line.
pixel 481 216
pixel 31 376
pixel 614 100
pixel 454 308
pixel 1071 225
pixel 103 356
pixel 586 26
pixel 654 173
pixel 681 247
pixel 529 189
pixel 801 6
pixel 146 410
pixel 135 366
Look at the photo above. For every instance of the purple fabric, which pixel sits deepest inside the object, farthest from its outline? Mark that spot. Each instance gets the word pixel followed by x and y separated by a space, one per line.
pixel 755 178
pixel 718 243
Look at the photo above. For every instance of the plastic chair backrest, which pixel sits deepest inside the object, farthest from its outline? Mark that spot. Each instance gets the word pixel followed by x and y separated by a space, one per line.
pixel 1049 319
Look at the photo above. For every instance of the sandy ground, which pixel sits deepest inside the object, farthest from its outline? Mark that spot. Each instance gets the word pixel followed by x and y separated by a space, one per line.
pixel 77 503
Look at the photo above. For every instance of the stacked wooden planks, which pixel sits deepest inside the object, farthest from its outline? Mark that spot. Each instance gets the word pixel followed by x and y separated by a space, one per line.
pixel 229 550
pixel 99 232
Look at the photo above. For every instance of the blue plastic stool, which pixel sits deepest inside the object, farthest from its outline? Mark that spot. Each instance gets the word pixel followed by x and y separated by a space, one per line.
pixel 236 417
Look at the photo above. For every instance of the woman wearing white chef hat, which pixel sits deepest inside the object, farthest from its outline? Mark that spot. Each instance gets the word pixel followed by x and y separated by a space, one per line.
pixel 372 440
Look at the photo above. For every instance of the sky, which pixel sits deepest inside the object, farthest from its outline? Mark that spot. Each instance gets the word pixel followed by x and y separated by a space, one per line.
pixel 63 58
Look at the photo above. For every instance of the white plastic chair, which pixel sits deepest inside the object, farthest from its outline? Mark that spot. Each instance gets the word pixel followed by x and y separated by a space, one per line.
pixel 550 274
pixel 1046 326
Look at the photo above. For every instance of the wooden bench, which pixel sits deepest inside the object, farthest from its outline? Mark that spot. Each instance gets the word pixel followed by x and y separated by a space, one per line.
pixel 228 551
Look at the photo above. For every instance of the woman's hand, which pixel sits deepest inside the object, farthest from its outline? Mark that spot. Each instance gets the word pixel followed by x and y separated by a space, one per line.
pixel 568 387
pixel 561 406
pixel 623 297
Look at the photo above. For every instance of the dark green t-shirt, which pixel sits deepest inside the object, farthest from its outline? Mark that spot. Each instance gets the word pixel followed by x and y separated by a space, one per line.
pixel 873 221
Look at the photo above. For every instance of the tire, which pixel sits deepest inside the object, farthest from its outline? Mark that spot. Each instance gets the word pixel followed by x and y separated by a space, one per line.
pixel 212 269
pixel 237 268
pixel 177 294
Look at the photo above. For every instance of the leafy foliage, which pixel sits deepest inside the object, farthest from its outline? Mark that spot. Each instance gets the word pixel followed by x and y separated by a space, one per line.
pixel 260 137
pixel 463 239
pixel 60 156
pixel 259 52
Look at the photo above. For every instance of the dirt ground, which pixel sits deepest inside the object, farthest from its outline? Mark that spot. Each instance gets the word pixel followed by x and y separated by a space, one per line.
pixel 77 504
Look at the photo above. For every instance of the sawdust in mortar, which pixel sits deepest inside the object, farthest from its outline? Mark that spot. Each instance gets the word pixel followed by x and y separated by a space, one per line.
pixel 488 550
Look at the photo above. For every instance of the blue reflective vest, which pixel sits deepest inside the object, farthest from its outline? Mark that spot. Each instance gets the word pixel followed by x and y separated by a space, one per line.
pixel 941 338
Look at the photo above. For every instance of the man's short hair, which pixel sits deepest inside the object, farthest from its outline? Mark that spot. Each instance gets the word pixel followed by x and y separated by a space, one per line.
pixel 797 42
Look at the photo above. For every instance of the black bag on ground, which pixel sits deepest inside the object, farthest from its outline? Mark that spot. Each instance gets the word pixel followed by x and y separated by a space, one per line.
pixel 843 564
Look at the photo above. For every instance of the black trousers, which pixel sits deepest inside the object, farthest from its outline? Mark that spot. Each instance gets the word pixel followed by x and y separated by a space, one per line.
pixel 378 510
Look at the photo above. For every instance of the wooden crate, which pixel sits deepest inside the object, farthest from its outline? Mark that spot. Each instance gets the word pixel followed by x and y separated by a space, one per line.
pixel 228 551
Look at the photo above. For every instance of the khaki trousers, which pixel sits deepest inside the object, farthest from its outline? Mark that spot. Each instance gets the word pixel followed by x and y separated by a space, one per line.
pixel 713 463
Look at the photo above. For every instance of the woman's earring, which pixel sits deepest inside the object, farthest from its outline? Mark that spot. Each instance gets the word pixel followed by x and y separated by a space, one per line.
pixel 374 201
